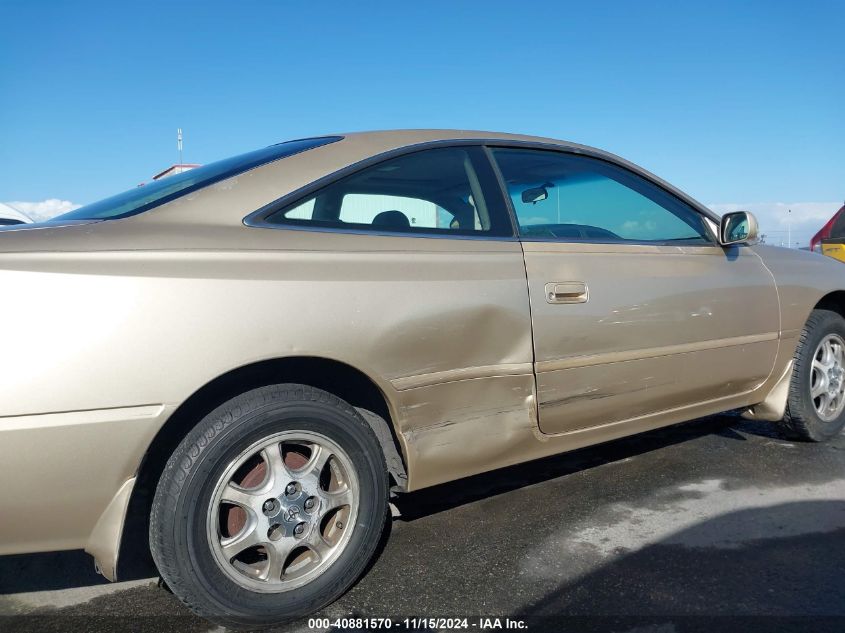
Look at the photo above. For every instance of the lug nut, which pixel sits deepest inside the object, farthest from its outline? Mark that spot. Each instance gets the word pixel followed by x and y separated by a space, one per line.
pixel 309 503
pixel 299 529
pixel 290 489
pixel 269 505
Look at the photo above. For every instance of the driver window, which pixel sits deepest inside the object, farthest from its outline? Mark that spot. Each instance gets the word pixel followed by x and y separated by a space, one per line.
pixel 565 197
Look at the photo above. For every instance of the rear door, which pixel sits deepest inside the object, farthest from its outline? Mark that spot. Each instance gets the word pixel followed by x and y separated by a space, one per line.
pixel 635 308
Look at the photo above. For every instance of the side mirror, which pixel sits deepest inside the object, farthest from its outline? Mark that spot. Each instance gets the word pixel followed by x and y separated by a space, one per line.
pixel 739 227
pixel 535 195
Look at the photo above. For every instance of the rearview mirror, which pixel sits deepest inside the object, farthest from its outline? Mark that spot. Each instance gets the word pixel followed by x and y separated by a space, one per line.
pixel 535 195
pixel 739 227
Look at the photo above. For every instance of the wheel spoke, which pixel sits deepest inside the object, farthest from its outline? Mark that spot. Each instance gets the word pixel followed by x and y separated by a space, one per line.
pixel 824 363
pixel 277 555
pixel 313 469
pixel 838 355
pixel 827 353
pixel 334 500
pixel 248 537
pixel 276 467
pixel 247 499
pixel 317 544
pixel 824 403
pixel 818 389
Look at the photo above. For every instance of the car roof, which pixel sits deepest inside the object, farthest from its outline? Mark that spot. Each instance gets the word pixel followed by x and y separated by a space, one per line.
pixel 408 137
pixel 428 134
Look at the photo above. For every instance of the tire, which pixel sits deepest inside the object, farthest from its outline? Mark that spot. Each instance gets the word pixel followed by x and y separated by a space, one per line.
pixel 291 430
pixel 806 417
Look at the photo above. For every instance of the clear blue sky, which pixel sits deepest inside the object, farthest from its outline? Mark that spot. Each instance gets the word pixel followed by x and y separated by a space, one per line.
pixel 732 101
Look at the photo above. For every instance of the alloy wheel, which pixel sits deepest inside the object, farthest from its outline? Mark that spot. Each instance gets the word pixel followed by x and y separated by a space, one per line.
pixel 283 511
pixel 827 378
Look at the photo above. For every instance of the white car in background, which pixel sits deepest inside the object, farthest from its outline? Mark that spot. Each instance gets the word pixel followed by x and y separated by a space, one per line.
pixel 10 215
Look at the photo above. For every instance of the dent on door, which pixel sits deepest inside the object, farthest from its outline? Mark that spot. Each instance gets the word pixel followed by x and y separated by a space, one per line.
pixel 660 328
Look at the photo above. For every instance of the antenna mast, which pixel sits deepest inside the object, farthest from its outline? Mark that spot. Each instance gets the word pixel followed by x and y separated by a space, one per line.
pixel 179 146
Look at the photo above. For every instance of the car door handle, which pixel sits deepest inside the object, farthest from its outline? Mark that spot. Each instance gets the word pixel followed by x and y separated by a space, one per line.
pixel 567 292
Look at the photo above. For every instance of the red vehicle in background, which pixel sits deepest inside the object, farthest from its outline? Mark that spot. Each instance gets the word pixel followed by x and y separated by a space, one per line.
pixel 830 240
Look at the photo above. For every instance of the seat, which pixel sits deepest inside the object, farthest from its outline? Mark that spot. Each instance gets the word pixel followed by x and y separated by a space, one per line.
pixel 392 219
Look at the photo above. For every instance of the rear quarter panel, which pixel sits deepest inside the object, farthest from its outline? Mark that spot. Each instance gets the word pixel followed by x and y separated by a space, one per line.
pixel 136 332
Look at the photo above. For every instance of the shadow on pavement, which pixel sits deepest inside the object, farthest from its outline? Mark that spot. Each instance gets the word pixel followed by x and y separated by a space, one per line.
pixel 47 571
pixel 734 564
pixel 698 582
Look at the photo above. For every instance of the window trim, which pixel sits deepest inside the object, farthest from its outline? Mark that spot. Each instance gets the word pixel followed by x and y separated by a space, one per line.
pixel 638 173
pixel 257 219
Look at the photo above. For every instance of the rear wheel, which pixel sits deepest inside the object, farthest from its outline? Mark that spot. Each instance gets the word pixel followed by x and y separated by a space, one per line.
pixel 815 408
pixel 271 507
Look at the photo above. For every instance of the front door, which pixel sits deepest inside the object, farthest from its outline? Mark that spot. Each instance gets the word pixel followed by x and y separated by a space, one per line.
pixel 635 308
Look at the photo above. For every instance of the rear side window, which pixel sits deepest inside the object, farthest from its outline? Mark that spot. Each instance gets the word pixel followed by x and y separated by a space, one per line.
pixel 567 197
pixel 437 191
pixel 153 194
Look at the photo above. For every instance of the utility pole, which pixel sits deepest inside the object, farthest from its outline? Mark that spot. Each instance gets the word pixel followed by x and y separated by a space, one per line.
pixel 179 146
pixel 788 227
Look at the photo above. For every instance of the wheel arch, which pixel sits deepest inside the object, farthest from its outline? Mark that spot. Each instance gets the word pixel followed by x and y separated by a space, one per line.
pixel 773 407
pixel 339 378
pixel 833 301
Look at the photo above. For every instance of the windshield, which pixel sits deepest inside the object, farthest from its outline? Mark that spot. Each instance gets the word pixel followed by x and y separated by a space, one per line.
pixel 153 194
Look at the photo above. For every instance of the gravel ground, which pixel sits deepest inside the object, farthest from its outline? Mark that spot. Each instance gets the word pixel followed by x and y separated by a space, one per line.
pixel 717 524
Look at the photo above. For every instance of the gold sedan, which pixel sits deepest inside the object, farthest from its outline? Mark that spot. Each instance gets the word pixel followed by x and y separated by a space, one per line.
pixel 245 360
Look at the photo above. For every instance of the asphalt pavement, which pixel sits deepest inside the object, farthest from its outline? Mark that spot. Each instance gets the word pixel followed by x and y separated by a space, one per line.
pixel 717 524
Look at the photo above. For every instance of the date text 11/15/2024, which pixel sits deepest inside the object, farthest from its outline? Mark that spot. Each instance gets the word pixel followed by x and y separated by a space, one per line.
pixel 418 623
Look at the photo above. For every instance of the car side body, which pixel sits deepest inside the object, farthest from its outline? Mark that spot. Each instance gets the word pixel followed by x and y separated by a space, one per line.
pixel 140 325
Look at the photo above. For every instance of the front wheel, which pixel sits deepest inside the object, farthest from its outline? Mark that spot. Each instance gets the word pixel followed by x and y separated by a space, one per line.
pixel 270 508
pixel 815 409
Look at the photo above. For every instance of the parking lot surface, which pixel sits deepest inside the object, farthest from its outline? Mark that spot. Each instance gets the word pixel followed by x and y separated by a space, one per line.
pixel 716 517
